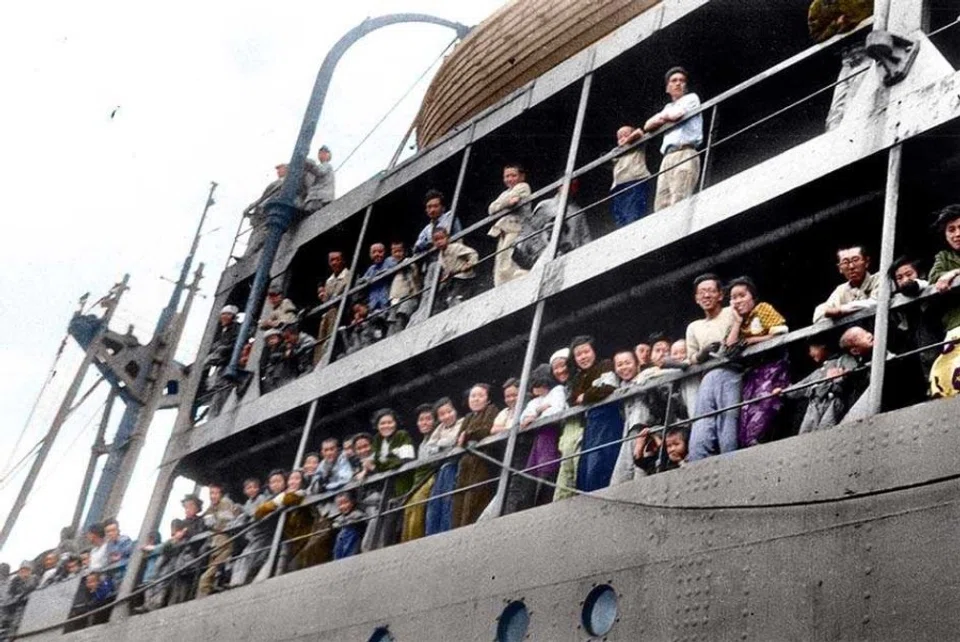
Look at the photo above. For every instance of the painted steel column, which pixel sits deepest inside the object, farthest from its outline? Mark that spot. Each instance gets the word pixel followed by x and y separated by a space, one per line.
pixel 342 306
pixel 166 475
pixel 280 211
pixel 163 363
pixel 457 190
pixel 266 571
pixel 63 412
pixel 706 153
pixel 881 325
pixel 96 450
pixel 532 343
pixel 551 250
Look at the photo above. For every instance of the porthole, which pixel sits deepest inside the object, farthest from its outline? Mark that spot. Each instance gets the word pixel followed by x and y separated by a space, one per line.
pixel 513 622
pixel 600 610
pixel 381 634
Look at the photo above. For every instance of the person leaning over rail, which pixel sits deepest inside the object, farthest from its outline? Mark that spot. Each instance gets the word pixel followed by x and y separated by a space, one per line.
pixel 680 167
pixel 507 228
pixel 720 387
pixel 336 284
pixel 945 274
pixel 434 204
pixel 912 326
pixel 432 443
pixel 457 274
pixel 592 382
pixel 756 321
pixel 218 517
pixel 257 540
pixel 440 507
pixel 630 179
pixel 477 426
pixel 858 292
pixel 404 290
pixel 279 310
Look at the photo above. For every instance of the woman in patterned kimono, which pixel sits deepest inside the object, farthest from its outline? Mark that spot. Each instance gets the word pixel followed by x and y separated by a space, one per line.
pixel 757 322
pixel 593 382
pixel 507 228
pixel 478 423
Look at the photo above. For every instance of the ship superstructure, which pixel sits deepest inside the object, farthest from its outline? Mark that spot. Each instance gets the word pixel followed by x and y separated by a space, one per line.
pixel 787 540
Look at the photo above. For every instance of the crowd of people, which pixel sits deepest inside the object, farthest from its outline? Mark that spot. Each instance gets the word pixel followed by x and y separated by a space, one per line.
pixel 644 409
pixel 99 558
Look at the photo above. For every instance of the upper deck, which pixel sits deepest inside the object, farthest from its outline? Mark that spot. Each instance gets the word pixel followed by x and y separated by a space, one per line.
pixel 766 150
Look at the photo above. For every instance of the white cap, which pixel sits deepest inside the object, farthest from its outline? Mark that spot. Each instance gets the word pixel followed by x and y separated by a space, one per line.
pixel 230 309
pixel 272 332
pixel 562 353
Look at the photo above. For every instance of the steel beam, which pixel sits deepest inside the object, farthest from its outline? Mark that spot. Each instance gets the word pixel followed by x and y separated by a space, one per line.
pixel 881 325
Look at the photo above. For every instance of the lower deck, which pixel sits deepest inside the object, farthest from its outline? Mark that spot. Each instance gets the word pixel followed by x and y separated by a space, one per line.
pixel 840 534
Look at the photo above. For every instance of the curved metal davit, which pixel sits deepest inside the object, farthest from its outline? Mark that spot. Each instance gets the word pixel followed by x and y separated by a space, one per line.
pixel 515 45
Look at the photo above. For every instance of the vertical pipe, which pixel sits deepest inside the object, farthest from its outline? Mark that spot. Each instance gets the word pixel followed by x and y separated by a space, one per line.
pixel 267 570
pixel 881 15
pixel 342 306
pixel 435 277
pixel 881 325
pixel 537 323
pixel 706 154
pixel 96 450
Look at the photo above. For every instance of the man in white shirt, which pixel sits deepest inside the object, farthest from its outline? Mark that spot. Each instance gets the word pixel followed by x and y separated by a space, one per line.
pixel 680 166
pixel 99 558
pixel 859 292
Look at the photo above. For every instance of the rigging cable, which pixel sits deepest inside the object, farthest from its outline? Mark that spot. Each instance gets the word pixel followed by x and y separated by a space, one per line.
pixel 51 373
pixel 396 104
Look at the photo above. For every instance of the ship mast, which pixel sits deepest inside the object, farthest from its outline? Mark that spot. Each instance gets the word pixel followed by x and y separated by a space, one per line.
pixel 110 302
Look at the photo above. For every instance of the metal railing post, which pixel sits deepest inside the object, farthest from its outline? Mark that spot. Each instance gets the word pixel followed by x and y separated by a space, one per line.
pixel 708 149
pixel 342 306
pixel 535 326
pixel 267 570
pixel 882 323
pixel 431 297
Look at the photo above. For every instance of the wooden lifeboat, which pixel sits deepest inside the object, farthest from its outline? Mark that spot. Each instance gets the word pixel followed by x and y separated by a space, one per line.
pixel 519 42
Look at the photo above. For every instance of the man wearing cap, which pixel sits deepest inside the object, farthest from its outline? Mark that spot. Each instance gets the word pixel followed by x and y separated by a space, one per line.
pixel 191 525
pixel 322 191
pixel 279 310
pixel 15 599
pixel 273 372
pixel 335 285
pixel 256 212
pixel 680 167
pixel 225 337
pixel 571 438
pixel 217 518
pixel 98 540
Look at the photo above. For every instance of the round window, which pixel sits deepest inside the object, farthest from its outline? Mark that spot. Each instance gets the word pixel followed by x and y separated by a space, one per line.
pixel 514 621
pixel 600 610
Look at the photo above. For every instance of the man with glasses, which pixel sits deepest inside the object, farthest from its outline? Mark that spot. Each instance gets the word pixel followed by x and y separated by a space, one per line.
pixel 859 292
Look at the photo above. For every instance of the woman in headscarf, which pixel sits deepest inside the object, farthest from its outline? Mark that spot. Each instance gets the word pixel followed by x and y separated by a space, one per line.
pixel 593 382
pixel 755 322
pixel 477 424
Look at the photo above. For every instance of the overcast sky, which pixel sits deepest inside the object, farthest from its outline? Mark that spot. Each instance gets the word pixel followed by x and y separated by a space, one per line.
pixel 116 117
